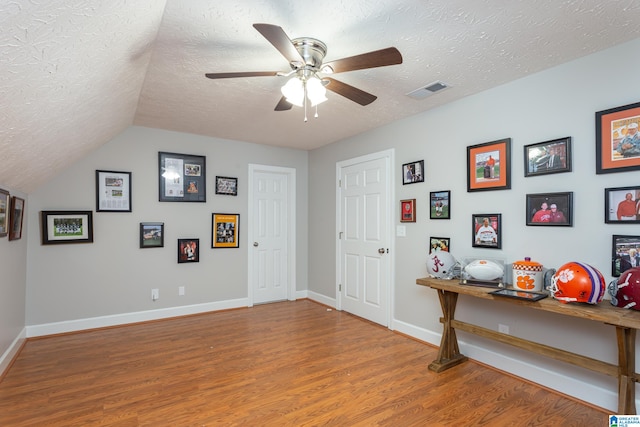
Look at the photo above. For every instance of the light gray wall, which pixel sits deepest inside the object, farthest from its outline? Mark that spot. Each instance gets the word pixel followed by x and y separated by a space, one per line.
pixel 113 275
pixel 552 104
pixel 13 284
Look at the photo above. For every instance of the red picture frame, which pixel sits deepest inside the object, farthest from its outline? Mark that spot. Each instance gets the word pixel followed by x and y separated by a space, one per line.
pixel 612 126
pixel 408 210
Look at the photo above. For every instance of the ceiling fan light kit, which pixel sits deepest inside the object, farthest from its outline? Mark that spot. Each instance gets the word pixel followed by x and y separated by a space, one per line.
pixel 305 56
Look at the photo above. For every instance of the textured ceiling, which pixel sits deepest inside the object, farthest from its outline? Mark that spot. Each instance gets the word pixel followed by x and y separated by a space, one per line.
pixel 74 74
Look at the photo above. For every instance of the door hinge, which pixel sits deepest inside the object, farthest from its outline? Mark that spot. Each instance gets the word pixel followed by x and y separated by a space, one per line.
pixel 339 183
pixel 340 235
pixel 340 287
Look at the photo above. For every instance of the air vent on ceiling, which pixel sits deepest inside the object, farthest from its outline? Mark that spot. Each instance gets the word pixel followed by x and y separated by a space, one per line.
pixel 428 90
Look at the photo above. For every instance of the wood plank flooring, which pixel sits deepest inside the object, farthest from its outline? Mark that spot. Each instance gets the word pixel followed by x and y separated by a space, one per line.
pixel 281 364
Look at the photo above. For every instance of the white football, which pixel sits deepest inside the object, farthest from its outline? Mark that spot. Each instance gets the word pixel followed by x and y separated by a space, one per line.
pixel 484 269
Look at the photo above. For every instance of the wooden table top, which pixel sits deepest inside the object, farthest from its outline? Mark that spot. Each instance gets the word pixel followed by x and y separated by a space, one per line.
pixel 603 312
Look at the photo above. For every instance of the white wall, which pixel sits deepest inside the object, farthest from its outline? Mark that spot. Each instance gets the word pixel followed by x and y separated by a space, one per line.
pixel 113 276
pixel 552 104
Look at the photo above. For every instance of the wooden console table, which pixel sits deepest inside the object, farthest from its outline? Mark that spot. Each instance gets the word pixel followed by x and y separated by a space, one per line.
pixel 625 321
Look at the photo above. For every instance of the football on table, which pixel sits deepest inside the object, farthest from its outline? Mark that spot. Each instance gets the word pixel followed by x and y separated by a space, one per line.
pixel 484 269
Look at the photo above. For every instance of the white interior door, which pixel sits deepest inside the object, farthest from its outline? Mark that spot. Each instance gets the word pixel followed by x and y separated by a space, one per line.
pixel 364 224
pixel 272 234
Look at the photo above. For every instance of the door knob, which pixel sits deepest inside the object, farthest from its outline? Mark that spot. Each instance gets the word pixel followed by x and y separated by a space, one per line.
pixel 381 250
pixel 255 244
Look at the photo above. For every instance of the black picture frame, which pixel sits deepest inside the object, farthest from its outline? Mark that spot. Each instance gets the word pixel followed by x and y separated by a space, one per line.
pixel 17 218
pixel 540 209
pixel 151 235
pixel 617 209
pixel 521 295
pixel 548 157
pixel 413 172
pixel 482 237
pixel 612 127
pixel 225 230
pixel 62 227
pixel 188 250
pixel 621 246
pixel 489 166
pixel 5 212
pixel 113 191
pixel 437 244
pixel 226 185
pixel 440 204
pixel 181 177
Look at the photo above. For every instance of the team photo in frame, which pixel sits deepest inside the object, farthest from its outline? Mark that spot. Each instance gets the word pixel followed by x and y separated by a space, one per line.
pixel 225 230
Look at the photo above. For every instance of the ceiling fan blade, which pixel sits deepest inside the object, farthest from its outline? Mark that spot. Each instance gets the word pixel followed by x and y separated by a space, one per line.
pixel 242 74
pixel 279 39
pixel 283 105
pixel 377 58
pixel 350 92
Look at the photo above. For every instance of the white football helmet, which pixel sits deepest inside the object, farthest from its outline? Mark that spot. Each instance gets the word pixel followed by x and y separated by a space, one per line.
pixel 441 265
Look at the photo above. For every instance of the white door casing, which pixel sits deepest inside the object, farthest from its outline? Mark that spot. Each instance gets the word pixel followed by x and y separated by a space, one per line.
pixel 364 245
pixel 271 234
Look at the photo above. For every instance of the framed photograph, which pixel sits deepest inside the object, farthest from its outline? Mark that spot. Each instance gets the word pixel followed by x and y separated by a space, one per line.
pixel 188 250
pixel 489 166
pixel 408 210
pixel 550 209
pixel 226 185
pixel 548 157
pixel 5 207
pixel 413 172
pixel 182 178
pixel 151 235
pixel 625 254
pixel 440 205
pixel 617 139
pixel 17 215
pixel 622 205
pixel 225 230
pixel 66 227
pixel 113 191
pixel 437 244
pixel 486 231
pixel 523 295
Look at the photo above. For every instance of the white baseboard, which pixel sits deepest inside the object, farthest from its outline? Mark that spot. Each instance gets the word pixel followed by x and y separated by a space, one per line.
pixel 7 357
pixel 126 318
pixel 331 302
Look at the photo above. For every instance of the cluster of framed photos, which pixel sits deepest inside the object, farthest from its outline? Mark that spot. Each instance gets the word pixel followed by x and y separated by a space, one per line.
pixel 181 178
pixel 488 168
pixel 11 215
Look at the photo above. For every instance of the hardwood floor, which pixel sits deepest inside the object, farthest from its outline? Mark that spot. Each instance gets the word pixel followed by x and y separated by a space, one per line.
pixel 281 364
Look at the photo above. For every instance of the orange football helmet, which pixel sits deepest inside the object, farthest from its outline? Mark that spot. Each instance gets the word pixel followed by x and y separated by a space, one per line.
pixel 577 282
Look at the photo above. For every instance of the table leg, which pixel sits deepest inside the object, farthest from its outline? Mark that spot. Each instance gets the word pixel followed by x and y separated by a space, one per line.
pixel 449 352
pixel 626 376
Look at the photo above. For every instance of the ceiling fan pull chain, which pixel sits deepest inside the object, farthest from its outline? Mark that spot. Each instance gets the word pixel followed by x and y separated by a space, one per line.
pixel 305 101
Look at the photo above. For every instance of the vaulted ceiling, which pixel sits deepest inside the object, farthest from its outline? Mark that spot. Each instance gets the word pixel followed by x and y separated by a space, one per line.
pixel 74 74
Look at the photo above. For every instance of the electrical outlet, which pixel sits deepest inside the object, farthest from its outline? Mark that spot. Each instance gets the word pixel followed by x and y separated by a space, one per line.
pixel 155 294
pixel 180 290
pixel 504 329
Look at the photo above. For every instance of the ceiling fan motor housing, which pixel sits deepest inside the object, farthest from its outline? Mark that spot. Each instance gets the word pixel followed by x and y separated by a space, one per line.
pixel 312 51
